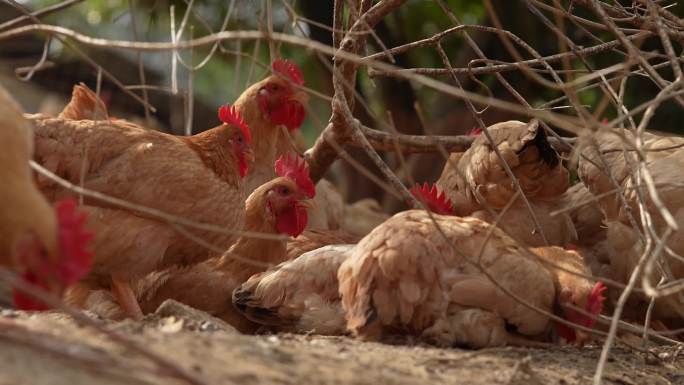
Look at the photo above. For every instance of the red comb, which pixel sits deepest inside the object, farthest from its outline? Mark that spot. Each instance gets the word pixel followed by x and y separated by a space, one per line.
pixel 75 258
pixel 296 169
pixel 230 115
pixel 604 121
pixel 595 301
pixel 435 201
pixel 475 131
pixel 289 70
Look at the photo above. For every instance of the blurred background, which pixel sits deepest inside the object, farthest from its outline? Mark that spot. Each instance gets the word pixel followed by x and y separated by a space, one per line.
pixel 222 73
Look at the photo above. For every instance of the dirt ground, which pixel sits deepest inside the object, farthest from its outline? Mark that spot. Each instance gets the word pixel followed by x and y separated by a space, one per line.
pixel 51 348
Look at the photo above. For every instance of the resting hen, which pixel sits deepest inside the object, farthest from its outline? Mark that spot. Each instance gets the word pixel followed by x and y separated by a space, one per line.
pixel 276 207
pixel 46 245
pixel 198 178
pixel 664 159
pixel 476 182
pixel 407 276
pixel 608 155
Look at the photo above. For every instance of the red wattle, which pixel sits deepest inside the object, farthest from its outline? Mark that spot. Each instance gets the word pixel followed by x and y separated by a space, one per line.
pixel 292 220
pixel 243 168
pixel 566 332
pixel 290 113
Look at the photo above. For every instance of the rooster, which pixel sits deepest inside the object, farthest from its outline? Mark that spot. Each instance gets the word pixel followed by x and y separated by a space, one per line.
pixel 276 207
pixel 47 246
pixel 479 186
pixel 197 177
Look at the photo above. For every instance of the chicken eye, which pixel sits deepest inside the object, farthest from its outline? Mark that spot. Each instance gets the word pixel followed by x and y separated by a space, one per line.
pixel 284 191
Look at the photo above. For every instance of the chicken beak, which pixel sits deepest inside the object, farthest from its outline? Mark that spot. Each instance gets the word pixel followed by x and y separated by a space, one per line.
pixel 249 155
pixel 308 204
pixel 300 96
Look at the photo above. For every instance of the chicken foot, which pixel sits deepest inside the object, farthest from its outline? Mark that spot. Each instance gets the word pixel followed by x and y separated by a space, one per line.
pixel 124 294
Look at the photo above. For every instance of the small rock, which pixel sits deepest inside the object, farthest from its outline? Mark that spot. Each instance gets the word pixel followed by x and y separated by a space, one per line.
pixel 176 309
pixel 171 325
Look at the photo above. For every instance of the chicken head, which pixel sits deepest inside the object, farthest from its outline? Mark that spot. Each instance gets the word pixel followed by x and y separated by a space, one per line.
pixel 75 260
pixel 241 138
pixel 289 198
pixel 280 99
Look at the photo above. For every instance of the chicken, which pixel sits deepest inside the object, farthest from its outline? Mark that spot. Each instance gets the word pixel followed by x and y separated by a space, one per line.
pixel 476 182
pixel 573 289
pixel 626 246
pixel 276 207
pixel 267 106
pixel 609 154
pixel 198 178
pixel 408 276
pixel 46 245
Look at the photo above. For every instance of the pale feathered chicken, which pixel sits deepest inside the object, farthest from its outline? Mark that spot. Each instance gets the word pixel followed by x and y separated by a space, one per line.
pixel 625 244
pixel 198 178
pixel 606 153
pixel 276 207
pixel 405 277
pixel 47 246
pixel 476 181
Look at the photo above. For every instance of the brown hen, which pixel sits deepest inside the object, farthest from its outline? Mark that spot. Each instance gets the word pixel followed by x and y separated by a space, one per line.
pixel 479 186
pixel 198 178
